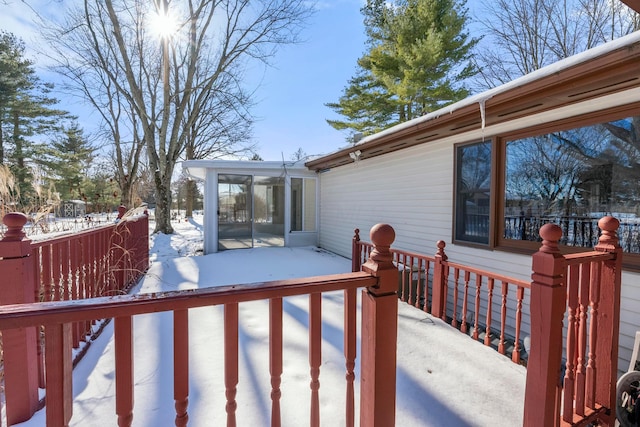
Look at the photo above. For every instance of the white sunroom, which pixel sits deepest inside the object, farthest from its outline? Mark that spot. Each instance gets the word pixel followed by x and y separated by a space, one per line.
pixel 256 204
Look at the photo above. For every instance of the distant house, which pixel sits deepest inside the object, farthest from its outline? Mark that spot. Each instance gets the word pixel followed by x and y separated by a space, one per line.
pixel 485 173
pixel 72 208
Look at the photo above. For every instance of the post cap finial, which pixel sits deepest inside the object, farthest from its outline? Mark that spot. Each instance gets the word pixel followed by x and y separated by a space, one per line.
pixel 609 238
pixel 14 221
pixel 356 234
pixel 122 209
pixel 381 259
pixel 382 235
pixel 608 223
pixel 440 244
pixel 551 234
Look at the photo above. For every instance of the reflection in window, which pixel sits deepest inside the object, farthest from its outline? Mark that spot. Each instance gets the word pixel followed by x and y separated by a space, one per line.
pixel 303 204
pixel 473 183
pixel 573 178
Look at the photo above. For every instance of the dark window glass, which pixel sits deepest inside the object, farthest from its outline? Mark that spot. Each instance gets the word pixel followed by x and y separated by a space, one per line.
pixel 473 192
pixel 573 178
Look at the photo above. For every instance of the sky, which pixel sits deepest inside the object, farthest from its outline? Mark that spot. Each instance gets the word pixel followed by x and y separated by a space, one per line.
pixel 290 99
pixel 443 376
pixel 290 108
pixel 306 76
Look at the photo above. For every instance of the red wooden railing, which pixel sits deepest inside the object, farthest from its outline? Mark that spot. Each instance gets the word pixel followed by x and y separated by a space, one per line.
pixel 379 326
pixel 102 261
pixel 465 297
pixel 585 289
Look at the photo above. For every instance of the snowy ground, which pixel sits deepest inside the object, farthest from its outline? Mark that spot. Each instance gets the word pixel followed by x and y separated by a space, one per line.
pixel 444 377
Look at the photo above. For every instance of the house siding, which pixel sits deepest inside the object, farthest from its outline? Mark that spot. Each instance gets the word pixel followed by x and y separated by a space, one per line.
pixel 412 189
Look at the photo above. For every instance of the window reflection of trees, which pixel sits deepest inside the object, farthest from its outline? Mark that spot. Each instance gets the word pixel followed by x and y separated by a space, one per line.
pixel 473 192
pixel 573 178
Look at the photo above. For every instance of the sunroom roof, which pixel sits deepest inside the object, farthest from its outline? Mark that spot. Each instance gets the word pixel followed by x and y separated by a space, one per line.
pixel 198 168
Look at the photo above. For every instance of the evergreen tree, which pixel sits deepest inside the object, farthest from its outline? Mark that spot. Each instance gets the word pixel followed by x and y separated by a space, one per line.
pixel 14 75
pixel 418 60
pixel 366 103
pixel 67 161
pixel 25 113
pixel 101 189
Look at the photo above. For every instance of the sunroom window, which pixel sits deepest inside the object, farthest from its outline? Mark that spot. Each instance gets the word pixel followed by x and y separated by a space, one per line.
pixel 303 204
pixel 573 178
pixel 473 192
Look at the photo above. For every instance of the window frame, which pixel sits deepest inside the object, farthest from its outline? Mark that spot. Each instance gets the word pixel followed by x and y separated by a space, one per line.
pixel 498 184
pixel 492 218
pixel 303 204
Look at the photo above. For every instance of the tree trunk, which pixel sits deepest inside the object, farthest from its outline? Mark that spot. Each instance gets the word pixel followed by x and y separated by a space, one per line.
pixel 191 185
pixel 126 194
pixel 163 203
pixel 190 198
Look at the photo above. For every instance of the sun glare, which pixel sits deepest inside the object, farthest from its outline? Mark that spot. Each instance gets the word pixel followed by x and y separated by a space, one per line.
pixel 163 24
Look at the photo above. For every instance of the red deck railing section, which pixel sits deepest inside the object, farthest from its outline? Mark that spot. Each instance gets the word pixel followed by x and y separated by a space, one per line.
pixel 476 302
pixel 583 288
pixel 378 346
pixel 102 261
pixel 574 308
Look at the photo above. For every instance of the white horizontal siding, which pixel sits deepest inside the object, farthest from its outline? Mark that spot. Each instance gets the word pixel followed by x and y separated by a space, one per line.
pixel 412 190
pixel 389 189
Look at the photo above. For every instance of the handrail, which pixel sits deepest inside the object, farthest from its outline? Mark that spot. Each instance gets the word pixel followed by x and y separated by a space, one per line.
pixel 35 314
pixel 489 274
pixel 584 257
pixel 71 235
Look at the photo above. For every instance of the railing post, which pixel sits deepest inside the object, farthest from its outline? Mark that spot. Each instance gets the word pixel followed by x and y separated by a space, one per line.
pixel 609 317
pixel 438 304
pixel 122 209
pixel 355 251
pixel 19 345
pixel 548 302
pixel 379 334
pixel 145 242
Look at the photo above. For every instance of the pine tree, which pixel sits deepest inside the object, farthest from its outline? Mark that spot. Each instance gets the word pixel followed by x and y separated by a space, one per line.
pixel 366 104
pixel 26 113
pixel 418 61
pixel 14 73
pixel 67 161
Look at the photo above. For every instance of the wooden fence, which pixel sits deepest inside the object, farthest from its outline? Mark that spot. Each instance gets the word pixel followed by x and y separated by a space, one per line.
pixel 102 261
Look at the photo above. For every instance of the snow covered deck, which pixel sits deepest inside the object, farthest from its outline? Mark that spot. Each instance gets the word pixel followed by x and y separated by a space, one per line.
pixel 444 378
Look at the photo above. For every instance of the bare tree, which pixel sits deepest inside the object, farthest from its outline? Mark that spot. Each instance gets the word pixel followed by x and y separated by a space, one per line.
pixel 525 35
pixel 168 80
pixel 222 127
pixel 300 154
pixel 74 56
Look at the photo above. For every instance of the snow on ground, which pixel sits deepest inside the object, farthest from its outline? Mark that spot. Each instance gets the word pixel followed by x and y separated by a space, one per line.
pixel 444 378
